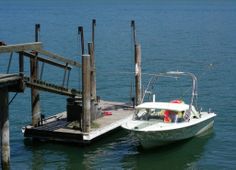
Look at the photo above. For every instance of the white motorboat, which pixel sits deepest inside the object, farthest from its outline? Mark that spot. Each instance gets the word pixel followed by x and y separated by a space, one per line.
pixel 159 123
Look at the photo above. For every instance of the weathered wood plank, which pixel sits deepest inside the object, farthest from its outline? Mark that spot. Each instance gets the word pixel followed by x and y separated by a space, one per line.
pixel 86 93
pixel 59 58
pixel 21 47
pixel 44 60
pixel 54 136
pixel 40 85
pixel 9 79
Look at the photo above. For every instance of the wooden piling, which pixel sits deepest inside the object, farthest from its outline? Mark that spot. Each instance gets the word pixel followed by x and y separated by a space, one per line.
pixel 93 32
pixel 133 30
pixel 5 141
pixel 21 64
pixel 35 100
pixel 138 96
pixel 91 49
pixel 92 82
pixel 86 94
pixel 93 71
pixel 81 32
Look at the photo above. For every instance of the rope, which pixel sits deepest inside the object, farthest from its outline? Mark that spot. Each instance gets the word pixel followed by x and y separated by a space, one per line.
pixel 9 63
pixel 12 99
pixel 68 78
pixel 64 77
pixel 41 73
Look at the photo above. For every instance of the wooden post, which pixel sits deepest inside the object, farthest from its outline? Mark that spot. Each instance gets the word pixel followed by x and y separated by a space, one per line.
pixel 92 82
pixel 93 71
pixel 93 32
pixel 138 73
pixel 4 125
pixel 91 49
pixel 133 31
pixel 21 64
pixel 86 92
pixel 37 29
pixel 81 32
pixel 35 101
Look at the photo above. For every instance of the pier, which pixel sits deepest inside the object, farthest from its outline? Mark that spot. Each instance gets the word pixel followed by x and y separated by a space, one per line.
pixel 86 117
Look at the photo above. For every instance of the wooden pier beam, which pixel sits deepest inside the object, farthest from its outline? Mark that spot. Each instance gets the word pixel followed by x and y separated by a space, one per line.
pixel 4 125
pixel 133 30
pixel 86 93
pixel 138 95
pixel 35 101
pixel 92 82
pixel 21 47
pixel 21 64
pixel 93 32
pixel 91 49
pixel 93 71
pixel 81 32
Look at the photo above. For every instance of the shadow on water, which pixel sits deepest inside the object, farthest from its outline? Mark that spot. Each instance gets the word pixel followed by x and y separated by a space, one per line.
pixel 116 151
pixel 75 156
pixel 180 155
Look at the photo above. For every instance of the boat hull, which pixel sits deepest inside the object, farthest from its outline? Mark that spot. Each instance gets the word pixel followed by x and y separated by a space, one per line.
pixel 153 138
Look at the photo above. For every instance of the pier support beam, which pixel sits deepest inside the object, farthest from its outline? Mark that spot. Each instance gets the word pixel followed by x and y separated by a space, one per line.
pixel 138 95
pixel 92 82
pixel 21 64
pixel 86 93
pixel 35 101
pixel 81 32
pixel 4 125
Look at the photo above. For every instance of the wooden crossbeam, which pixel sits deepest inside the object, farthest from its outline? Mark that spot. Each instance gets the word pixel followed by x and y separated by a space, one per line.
pixel 44 60
pixel 14 82
pixel 21 47
pixel 59 58
pixel 9 79
pixel 49 87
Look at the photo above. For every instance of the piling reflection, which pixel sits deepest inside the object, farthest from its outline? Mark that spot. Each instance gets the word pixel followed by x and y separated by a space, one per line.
pixel 47 155
pixel 109 152
pixel 103 153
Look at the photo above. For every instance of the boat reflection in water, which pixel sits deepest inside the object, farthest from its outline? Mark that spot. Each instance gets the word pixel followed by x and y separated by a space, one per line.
pixel 184 154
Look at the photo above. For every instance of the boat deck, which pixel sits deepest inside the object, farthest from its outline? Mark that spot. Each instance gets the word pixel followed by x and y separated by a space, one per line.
pixel 57 128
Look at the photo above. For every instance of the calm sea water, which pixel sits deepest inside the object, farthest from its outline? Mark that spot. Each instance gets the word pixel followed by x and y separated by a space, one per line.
pixel 186 35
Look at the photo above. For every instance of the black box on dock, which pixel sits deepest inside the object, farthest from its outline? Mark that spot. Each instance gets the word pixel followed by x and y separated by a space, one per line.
pixel 74 109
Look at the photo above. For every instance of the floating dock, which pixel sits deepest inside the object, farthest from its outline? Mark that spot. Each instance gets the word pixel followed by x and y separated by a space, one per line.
pixel 57 128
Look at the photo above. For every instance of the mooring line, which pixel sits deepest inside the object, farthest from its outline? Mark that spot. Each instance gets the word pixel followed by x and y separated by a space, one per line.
pixel 12 99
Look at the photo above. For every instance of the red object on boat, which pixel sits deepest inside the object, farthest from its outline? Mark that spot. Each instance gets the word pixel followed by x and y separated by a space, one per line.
pixel 107 113
pixel 176 101
pixel 167 113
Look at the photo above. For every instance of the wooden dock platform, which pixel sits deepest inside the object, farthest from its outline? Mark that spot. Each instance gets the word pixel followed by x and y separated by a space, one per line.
pixel 11 81
pixel 57 128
